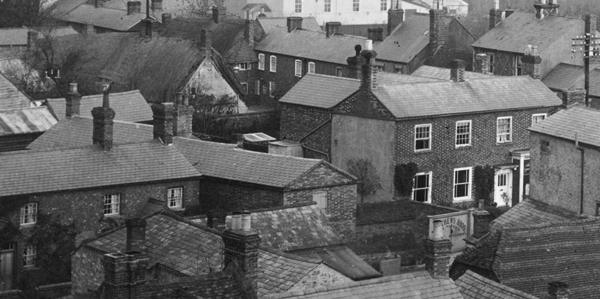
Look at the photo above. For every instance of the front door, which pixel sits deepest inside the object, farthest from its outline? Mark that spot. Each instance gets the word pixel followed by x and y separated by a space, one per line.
pixel 503 190
pixel 7 254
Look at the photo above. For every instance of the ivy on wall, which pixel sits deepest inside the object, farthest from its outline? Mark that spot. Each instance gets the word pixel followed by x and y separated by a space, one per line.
pixel 366 173
pixel 483 179
pixel 403 178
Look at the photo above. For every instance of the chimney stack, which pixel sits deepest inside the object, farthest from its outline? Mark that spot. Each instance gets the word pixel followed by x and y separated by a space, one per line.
pixel 31 39
pixel 134 7
pixel 457 71
pixel 73 101
pixel 496 15
pixel 183 114
pixel 437 252
pixel 481 63
pixel 332 28
pixel 206 39
pixel 369 71
pixel 558 290
pixel 249 30
pixel 163 122
pixel 218 14
pixel 395 16
pixel 545 8
pixel 294 23
pixel 166 18
pixel 103 122
pixel 241 247
pixel 375 34
pixel 436 29
pixel 136 234
pixel 89 29
pixel 573 96
pixel 532 62
pixel 355 62
pixel 215 218
pixel 157 4
pixel 124 274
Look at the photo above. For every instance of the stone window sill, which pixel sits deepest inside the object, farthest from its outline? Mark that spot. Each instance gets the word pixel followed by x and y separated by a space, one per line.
pixel 116 216
pixel 177 209
pixel 27 225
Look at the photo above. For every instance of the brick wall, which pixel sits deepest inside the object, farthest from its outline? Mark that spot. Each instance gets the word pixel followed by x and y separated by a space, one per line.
pixel 297 121
pixel 227 125
pixel 322 275
pixel 87 272
pixel 504 62
pixel 53 290
pixel 231 196
pixel 443 157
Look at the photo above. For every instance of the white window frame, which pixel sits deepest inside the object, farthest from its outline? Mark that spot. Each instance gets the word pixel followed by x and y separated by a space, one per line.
pixel 456 134
pixel 490 63
pixel 261 62
pixel 243 66
pixel 311 67
pixel 537 115
pixel 298 68
pixel 112 204
pixel 257 88
pixel 175 198
pixel 298 6
pixel 507 135
pixel 355 5
pixel 338 71
pixel 29 213
pixel 272 87
pixel 518 65
pixel 428 188
pixel 469 184
pixel 327 6
pixel 273 64
pixel 321 194
pixel 29 253
pixel 417 138
pixel 384 5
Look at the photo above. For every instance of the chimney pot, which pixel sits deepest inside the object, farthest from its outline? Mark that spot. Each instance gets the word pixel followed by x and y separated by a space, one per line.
pixel 236 220
pixel 246 221
pixel 369 45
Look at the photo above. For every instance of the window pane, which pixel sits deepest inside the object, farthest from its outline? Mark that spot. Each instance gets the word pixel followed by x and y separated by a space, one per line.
pixel 462 176
pixel 461 190
pixel 421 195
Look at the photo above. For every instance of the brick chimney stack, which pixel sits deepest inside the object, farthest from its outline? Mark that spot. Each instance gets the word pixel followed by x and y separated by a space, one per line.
pixel 103 122
pixel 436 29
pixel 124 274
pixel 532 62
pixel 73 101
pixel 31 39
pixel 332 28
pixel 136 234
pixel 573 96
pixel 294 23
pixel 249 30
pixel 163 122
pixel 395 16
pixel 218 14
pixel 369 71
pixel 134 7
pixel 355 62
pixel 241 245
pixel 215 218
pixel 437 252
pixel 183 115
pixel 166 18
pixel 375 34
pixel 481 63
pixel 558 290
pixel 457 71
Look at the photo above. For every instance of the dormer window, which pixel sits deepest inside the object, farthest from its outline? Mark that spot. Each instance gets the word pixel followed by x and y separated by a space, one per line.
pixel 53 73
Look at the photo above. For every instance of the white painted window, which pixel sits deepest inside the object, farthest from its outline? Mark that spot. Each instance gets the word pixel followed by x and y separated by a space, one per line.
pixel 463 133
pixel 422 137
pixel 355 5
pixel 491 63
pixel 536 118
pixel 327 6
pixel 320 197
pixel 518 66
pixel 298 6
pixel 462 183
pixel 311 67
pixel 112 204
pixel 272 87
pixel 261 62
pixel 273 64
pixel 504 129
pixel 244 66
pixel 29 213
pixel 422 187
pixel 257 88
pixel 384 5
pixel 175 197
pixel 298 68
pixel 29 256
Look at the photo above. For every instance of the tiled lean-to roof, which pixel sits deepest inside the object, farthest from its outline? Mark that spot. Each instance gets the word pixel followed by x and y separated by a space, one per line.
pixel 25 121
pixel 577 121
pixel 90 167
pixel 474 286
pixel 530 212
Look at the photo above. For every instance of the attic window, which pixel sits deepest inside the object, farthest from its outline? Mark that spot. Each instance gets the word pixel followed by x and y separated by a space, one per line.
pixel 243 66
pixel 311 67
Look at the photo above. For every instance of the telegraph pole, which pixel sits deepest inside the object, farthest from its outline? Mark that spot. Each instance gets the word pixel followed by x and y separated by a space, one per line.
pixel 589 45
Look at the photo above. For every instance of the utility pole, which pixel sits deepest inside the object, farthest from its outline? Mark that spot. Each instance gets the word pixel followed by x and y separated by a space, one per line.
pixel 589 45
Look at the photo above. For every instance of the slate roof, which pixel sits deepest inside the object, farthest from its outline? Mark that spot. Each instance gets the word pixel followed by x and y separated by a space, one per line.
pixel 171 241
pixel 481 256
pixel 128 106
pixel 577 120
pixel 566 76
pixel 443 74
pixel 18 36
pixel 474 286
pixel 332 89
pixel 444 98
pixel 520 29
pixel 530 212
pixel 89 167
pixel 10 96
pixel 225 161
pixel 310 45
pixel 25 121
pixel 342 259
pixel 278 271
pixel 410 285
pixel 293 228
pixel 227 38
pixel 268 24
pixel 78 131
pixel 407 40
pixel 115 19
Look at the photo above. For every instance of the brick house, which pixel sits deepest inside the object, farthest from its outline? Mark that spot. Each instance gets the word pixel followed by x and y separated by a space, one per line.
pixel 94 186
pixel 568 77
pixel 446 128
pixel 511 32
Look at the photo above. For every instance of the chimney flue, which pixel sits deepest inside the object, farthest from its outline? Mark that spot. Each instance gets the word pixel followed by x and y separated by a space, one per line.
pixel 369 71
pixel 395 17
pixel 163 122
pixel 437 252
pixel 184 114
pixel 103 122
pixel 246 221
pixel 236 220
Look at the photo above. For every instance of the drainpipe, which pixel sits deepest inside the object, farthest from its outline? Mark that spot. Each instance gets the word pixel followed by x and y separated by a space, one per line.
pixel 314 130
pixel 581 149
